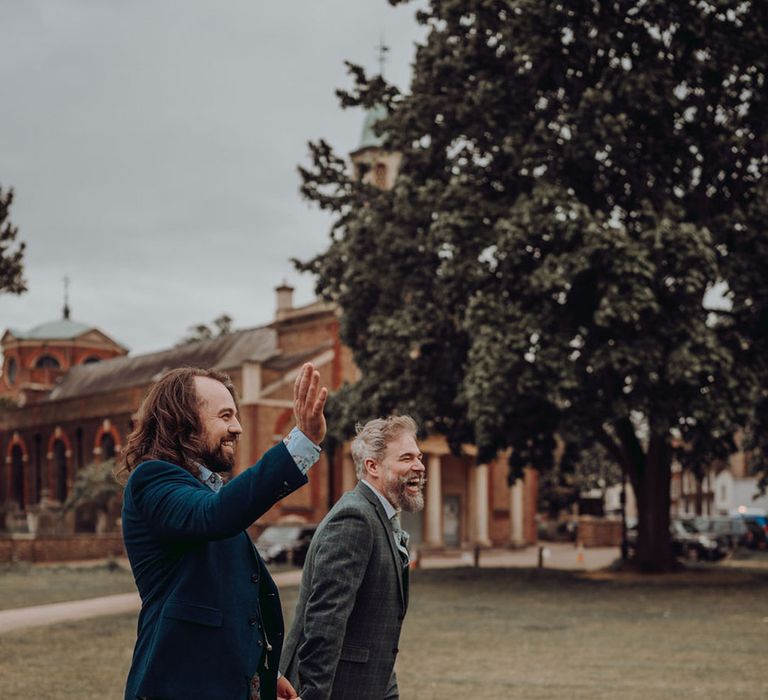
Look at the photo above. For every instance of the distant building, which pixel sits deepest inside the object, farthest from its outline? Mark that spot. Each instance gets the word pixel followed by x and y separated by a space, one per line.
pixel 734 495
pixel 89 412
pixel 65 410
pixel 34 360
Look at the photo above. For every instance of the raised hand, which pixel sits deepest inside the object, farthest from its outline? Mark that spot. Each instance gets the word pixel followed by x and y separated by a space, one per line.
pixel 308 403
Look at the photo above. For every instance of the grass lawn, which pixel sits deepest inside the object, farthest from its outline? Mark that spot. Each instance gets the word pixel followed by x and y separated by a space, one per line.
pixel 510 634
pixel 23 585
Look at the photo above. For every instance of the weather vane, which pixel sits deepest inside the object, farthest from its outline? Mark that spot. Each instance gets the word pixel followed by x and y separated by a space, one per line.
pixel 66 297
pixel 382 50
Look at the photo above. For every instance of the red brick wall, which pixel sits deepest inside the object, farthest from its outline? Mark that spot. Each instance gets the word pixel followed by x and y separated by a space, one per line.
pixel 72 548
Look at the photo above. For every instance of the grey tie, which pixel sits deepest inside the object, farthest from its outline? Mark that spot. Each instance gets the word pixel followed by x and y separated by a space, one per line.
pixel 401 539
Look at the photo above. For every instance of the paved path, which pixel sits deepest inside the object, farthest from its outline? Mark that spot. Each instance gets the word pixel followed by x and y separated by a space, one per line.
pixel 39 615
pixel 554 556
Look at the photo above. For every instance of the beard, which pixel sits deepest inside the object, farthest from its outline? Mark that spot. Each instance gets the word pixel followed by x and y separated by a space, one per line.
pixel 216 458
pixel 396 491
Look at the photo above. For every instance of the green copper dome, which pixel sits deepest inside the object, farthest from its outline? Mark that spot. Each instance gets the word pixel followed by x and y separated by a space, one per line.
pixel 368 138
pixel 61 329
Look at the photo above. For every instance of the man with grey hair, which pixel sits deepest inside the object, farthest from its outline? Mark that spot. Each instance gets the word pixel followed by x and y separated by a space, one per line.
pixel 354 588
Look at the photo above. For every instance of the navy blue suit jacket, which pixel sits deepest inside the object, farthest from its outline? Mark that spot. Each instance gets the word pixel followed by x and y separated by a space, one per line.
pixel 209 606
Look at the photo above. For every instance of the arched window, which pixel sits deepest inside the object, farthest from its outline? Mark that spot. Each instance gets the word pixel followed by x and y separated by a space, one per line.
pixel 47 362
pixel 361 170
pixel 380 176
pixel 91 359
pixel 11 369
pixel 107 446
pixel 37 469
pixel 79 448
pixel 60 470
pixel 17 475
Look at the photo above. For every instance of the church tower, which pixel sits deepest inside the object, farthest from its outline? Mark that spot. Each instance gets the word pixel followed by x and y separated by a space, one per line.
pixel 371 162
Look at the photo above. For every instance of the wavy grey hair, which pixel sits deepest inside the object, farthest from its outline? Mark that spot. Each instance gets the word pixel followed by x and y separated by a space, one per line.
pixel 371 439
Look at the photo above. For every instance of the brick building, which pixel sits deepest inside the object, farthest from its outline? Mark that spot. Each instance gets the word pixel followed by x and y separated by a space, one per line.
pixel 87 413
pixel 69 393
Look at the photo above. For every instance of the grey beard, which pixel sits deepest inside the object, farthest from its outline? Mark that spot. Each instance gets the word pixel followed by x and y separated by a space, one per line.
pixel 412 503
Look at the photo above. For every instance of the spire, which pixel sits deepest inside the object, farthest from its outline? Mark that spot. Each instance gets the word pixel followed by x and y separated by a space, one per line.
pixel 66 298
pixel 382 50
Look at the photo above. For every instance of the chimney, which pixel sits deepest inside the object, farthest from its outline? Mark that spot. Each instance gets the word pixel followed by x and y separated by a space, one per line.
pixel 284 300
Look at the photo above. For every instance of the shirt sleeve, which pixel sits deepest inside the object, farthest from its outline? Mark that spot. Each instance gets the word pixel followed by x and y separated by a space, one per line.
pixel 304 452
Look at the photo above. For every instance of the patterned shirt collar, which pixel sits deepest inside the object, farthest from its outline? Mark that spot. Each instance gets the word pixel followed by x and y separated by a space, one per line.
pixel 211 479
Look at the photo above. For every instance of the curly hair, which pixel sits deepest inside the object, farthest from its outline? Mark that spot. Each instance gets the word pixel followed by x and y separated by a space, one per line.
pixel 168 423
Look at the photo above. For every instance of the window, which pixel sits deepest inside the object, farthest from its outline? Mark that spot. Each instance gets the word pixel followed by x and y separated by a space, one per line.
pixel 47 362
pixel 91 359
pixel 60 470
pixel 79 448
pixel 11 370
pixel 107 446
pixel 380 175
pixel 17 475
pixel 37 478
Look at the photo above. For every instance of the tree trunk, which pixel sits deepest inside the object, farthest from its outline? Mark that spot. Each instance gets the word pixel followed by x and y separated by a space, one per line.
pixel 651 483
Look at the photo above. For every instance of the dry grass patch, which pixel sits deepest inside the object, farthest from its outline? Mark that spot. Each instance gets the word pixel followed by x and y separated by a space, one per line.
pixel 24 585
pixel 506 634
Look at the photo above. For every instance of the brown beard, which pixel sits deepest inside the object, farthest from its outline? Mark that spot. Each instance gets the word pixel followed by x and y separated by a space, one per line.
pixel 216 459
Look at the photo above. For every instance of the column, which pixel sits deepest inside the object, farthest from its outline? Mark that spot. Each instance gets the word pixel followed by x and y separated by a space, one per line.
pixel 434 505
pixel 481 505
pixel 516 535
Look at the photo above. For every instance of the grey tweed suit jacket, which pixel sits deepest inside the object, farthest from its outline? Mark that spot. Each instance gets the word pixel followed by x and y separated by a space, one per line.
pixel 344 638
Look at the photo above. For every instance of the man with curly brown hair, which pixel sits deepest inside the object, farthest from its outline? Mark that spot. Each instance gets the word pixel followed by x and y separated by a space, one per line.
pixel 210 624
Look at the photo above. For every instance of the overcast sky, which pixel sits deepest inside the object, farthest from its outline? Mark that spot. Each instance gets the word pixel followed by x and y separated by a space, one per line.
pixel 153 147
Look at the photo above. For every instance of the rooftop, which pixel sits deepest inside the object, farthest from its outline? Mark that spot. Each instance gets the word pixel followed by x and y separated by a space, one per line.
pixel 226 352
pixel 60 329
pixel 369 138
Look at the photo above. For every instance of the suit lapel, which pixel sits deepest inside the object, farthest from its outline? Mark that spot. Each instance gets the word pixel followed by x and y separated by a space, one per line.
pixel 397 562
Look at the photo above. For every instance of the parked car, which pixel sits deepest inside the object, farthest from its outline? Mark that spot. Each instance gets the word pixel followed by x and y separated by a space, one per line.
pixel 285 542
pixel 688 542
pixel 730 531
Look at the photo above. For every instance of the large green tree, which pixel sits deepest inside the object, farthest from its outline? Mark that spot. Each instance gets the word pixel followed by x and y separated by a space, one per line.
pixel 11 253
pixel 576 177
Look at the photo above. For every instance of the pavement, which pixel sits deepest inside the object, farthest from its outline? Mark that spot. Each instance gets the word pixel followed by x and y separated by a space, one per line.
pixel 553 555
pixel 40 615
pixel 550 555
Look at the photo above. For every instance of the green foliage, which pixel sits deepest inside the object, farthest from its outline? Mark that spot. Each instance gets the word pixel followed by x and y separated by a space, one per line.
pixel 576 176
pixel 11 259
pixel 222 325
pixel 94 485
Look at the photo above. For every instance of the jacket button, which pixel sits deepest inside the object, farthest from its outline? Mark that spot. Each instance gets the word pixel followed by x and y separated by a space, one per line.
pixel 260 643
pixel 254 578
pixel 253 621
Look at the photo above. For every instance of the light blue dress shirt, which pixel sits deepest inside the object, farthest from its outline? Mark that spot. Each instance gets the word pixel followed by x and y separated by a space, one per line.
pixel 304 452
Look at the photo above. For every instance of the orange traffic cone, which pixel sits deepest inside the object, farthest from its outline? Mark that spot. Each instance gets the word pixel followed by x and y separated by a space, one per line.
pixel 580 553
